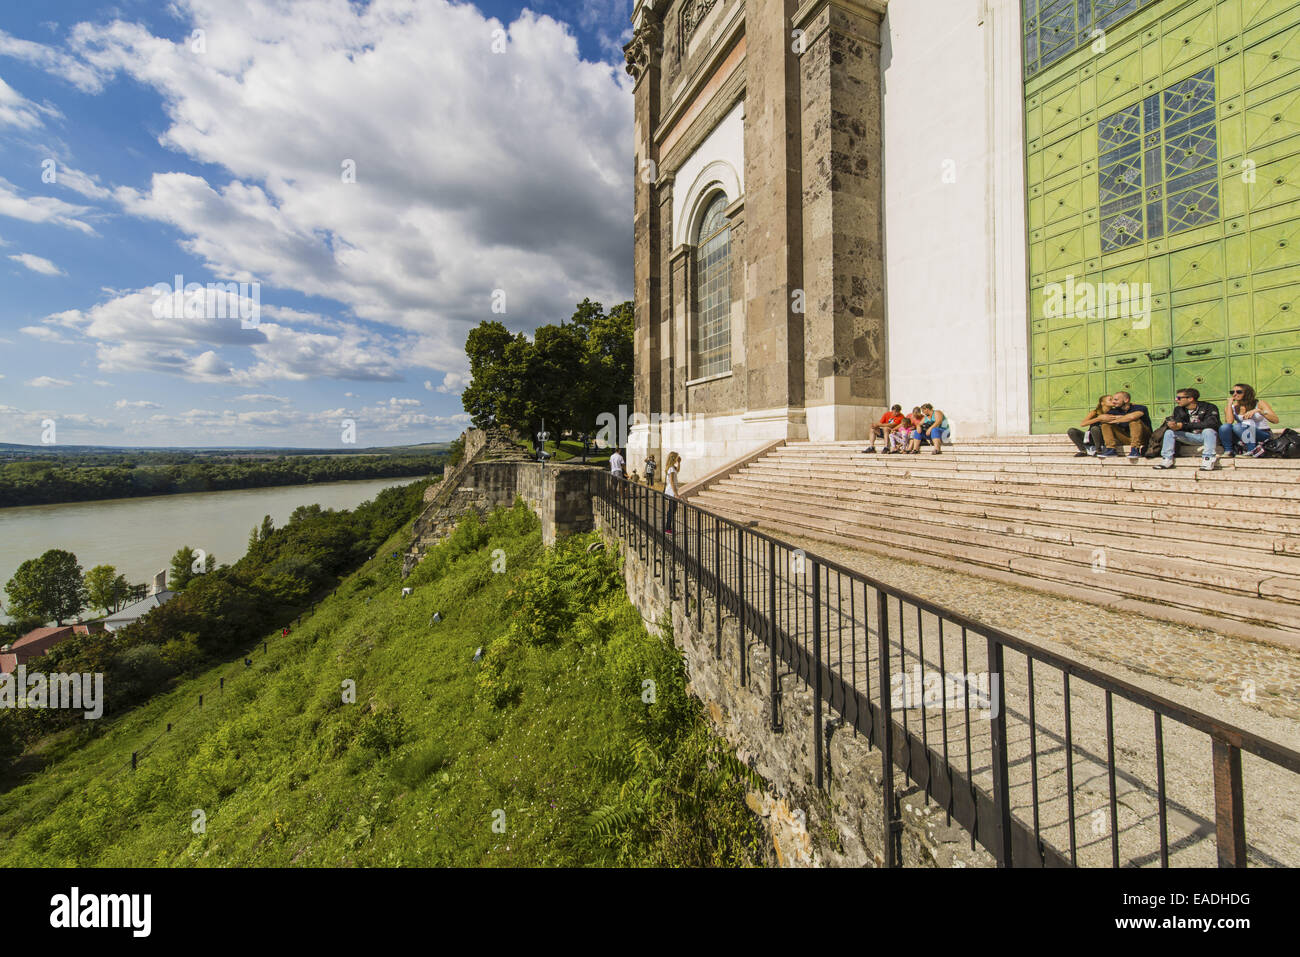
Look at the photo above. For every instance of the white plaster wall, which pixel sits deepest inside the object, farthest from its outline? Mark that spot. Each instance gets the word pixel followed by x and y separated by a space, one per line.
pixel 955 270
pixel 720 159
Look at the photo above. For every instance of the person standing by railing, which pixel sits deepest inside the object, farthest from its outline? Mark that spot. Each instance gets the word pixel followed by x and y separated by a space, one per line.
pixel 670 489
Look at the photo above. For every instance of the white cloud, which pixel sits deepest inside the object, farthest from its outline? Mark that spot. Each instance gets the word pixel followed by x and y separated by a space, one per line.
pixel 453 383
pixel 261 397
pixel 530 195
pixel 45 382
pixel 45 334
pixel 18 111
pixel 86 184
pixel 41 209
pixel 76 72
pixel 131 338
pixel 37 264
pixel 142 404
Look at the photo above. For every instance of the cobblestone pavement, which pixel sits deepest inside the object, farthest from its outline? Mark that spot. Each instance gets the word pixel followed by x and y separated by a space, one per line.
pixel 1210 672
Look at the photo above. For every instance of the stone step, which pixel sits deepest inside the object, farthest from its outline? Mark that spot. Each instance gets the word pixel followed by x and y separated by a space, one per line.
pixel 1203 603
pixel 1202 564
pixel 1147 534
pixel 1187 510
pixel 1230 470
pixel 1171 488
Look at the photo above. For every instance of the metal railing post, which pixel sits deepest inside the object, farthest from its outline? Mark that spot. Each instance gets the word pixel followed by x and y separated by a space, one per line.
pixel 892 822
pixel 717 587
pixel 771 632
pixel 742 613
pixel 818 730
pixel 998 749
pixel 1229 812
pixel 699 570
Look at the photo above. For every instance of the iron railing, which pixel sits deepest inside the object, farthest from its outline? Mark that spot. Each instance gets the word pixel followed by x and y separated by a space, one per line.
pixel 1022 753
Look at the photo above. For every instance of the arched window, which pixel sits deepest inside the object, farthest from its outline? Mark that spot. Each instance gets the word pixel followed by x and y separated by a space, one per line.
pixel 713 290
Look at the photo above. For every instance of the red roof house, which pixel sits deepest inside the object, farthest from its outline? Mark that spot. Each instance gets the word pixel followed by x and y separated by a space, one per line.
pixel 32 645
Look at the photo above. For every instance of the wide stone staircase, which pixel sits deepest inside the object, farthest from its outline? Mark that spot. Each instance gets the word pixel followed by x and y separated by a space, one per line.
pixel 1217 550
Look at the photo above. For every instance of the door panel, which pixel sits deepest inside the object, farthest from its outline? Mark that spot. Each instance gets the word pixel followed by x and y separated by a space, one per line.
pixel 1271 58
pixel 1196 266
pixel 1277 310
pixel 1272 121
pixel 1276 372
pixel 1067 392
pixel 1199 322
pixel 1209 375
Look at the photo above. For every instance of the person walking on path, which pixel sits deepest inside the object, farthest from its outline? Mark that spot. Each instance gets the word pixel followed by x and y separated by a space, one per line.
pixel 1193 423
pixel 670 489
pixel 650 467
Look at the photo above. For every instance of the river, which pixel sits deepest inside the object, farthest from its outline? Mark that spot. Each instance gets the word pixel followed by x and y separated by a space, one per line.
pixel 139 535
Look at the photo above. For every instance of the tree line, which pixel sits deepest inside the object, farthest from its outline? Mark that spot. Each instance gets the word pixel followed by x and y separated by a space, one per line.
pixel 49 481
pixel 565 376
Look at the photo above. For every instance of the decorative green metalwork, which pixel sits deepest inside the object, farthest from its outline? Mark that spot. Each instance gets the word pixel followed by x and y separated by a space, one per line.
pixel 1055 28
pixel 1177 176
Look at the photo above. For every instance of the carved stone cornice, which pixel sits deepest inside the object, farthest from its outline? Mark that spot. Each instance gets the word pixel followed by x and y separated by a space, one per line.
pixel 646 45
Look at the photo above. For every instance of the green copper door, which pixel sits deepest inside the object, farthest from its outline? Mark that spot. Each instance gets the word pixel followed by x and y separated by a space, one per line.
pixel 1163 177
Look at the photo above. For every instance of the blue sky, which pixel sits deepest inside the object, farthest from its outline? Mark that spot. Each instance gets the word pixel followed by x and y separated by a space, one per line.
pixel 385 172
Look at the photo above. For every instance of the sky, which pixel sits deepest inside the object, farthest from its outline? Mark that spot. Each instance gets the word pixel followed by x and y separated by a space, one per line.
pixel 346 189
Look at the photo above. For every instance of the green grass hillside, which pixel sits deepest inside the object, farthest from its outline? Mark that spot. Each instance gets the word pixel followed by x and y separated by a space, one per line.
pixel 572 741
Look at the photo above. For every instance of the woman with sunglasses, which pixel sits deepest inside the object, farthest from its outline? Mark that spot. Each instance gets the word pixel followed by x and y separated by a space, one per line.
pixel 1246 422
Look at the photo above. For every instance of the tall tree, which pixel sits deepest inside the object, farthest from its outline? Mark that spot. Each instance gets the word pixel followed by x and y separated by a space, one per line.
pixel 566 376
pixel 50 588
pixel 183 570
pixel 106 589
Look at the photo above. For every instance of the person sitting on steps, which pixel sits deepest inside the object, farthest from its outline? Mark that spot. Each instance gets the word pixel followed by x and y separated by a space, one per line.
pixel 936 427
pixel 1246 422
pixel 883 429
pixel 1193 423
pixel 1125 422
pixel 915 421
pixel 1089 442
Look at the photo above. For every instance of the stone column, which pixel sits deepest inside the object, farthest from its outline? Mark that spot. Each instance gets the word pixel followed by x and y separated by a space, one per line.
pixel 772 257
pixel 844 328
pixel 1010 269
pixel 643 56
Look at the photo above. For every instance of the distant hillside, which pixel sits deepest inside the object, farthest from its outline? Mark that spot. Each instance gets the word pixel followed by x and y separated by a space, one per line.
pixel 107 475
pixel 571 742
pixel 51 451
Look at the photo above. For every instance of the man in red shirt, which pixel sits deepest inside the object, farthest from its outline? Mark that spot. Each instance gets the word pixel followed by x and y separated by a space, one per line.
pixel 888 422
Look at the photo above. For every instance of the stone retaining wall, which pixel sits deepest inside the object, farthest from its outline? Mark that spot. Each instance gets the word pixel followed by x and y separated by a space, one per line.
pixel 561 496
pixel 839 826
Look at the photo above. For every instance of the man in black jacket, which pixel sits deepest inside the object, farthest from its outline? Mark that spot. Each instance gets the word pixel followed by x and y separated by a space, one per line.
pixel 1193 423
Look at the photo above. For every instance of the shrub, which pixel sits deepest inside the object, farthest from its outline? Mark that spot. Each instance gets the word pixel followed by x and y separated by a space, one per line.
pixel 381 731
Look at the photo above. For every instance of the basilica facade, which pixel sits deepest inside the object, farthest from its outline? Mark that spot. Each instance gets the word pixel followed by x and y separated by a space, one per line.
pixel 845 204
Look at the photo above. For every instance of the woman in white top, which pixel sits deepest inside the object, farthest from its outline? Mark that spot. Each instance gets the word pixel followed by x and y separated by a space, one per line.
pixel 670 489
pixel 1246 421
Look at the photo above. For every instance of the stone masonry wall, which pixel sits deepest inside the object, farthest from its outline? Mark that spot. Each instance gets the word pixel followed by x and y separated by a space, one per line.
pixel 840 826
pixel 559 494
